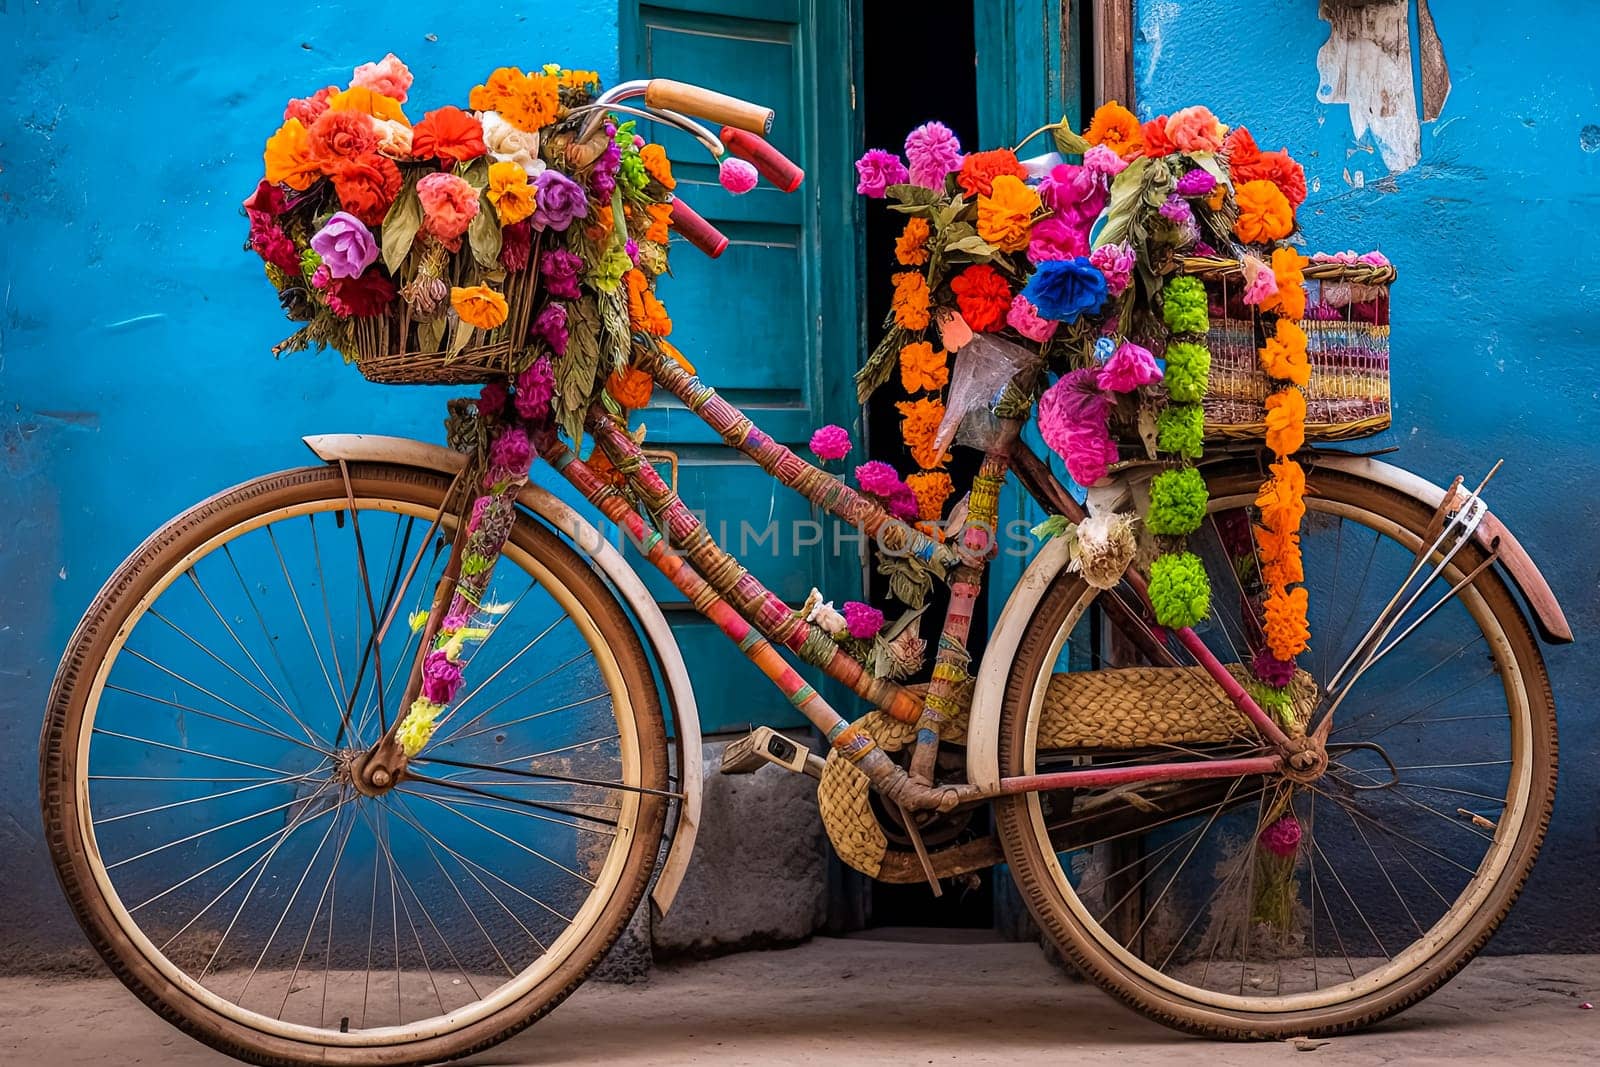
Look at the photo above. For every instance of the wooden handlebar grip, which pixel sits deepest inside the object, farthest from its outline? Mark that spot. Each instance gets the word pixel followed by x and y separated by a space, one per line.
pixel 696 230
pixel 774 166
pixel 703 103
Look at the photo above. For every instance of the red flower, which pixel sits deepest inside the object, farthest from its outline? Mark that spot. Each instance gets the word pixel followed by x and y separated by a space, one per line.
pixel 516 244
pixel 1277 168
pixel 361 297
pixel 307 108
pixel 366 185
pixel 980 169
pixel 275 247
pixel 448 133
pixel 267 202
pixel 343 135
pixel 1156 141
pixel 983 297
pixel 1240 148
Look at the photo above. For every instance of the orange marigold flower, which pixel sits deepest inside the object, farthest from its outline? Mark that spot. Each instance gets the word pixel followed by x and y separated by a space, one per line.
pixel 448 133
pixel 578 79
pixel 527 101
pixel 343 135
pixel 932 488
pixel 1286 421
pixel 289 158
pixel 1281 563
pixel 1277 168
pixel 1115 127
pixel 367 185
pixel 645 312
pixel 1196 129
pixel 1264 213
pixel 631 387
pixel 660 220
pixel 923 368
pixel 1282 497
pixel 1284 355
pixel 654 158
pixel 510 192
pixel 919 423
pixel 1156 141
pixel 980 169
pixel 359 98
pixel 983 297
pixel 1284 620
pixel 600 465
pixel 911 247
pixel 910 301
pixel 1288 267
pixel 478 305
pixel 1005 215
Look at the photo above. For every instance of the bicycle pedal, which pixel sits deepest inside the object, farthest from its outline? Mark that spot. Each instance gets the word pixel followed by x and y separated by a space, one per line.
pixel 765 745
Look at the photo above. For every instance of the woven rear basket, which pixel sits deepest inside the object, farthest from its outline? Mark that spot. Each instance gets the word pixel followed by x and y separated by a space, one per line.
pixel 389 349
pixel 1347 323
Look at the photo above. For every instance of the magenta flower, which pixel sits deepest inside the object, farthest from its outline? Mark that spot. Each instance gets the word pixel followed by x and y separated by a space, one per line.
pixel 1197 182
pixel 603 178
pixel 560 270
pixel 1105 161
pixel 1072 421
pixel 492 400
pixel 830 442
pixel 266 203
pixel 516 246
pixel 1024 318
pixel 737 176
pixel 877 170
pixel 877 477
pixel 933 151
pixel 441 677
pixel 902 503
pixel 551 327
pixel 632 249
pixel 479 506
pixel 536 386
pixel 1272 670
pixel 1130 367
pixel 1116 263
pixel 345 245
pixel 274 246
pixel 1261 284
pixel 1282 838
pixel 1073 192
pixel 862 620
pixel 511 452
pixel 561 201
pixel 1056 238
pixel 1374 259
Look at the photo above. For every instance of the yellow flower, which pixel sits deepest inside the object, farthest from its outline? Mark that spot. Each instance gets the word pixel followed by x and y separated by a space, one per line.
pixel 1005 217
pixel 479 305
pixel 510 192
pixel 367 102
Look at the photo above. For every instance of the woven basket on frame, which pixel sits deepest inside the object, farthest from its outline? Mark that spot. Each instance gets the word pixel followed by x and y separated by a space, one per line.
pixel 388 346
pixel 1347 323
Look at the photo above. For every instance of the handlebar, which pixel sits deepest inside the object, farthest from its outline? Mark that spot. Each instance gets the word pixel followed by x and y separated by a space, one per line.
pixel 718 107
pixel 773 164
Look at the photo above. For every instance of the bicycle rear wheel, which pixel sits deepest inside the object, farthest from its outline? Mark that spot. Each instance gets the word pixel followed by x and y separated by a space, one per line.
pixel 1411 849
pixel 198 802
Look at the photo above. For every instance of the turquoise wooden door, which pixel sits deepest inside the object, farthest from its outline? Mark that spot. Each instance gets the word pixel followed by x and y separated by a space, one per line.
pixel 775 323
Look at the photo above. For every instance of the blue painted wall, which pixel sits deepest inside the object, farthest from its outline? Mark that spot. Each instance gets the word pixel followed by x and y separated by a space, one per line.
pixel 135 374
pixel 1494 351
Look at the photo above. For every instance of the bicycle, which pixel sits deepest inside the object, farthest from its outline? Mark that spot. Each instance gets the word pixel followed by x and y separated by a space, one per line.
pixel 452 895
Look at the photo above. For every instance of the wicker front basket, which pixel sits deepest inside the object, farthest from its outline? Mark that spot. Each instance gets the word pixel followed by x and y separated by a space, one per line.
pixel 1347 322
pixel 389 347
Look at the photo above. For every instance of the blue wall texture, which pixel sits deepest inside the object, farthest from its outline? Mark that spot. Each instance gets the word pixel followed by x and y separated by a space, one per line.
pixel 135 371
pixel 1494 352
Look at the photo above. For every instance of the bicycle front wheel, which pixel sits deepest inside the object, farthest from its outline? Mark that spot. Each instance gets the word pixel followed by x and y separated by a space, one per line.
pixel 197 795
pixel 1265 907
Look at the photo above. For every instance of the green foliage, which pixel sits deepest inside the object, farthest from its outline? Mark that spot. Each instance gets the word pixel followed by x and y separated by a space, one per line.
pixel 400 227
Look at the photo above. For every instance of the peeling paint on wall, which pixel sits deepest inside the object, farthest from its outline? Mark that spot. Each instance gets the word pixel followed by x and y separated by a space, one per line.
pixel 1367 64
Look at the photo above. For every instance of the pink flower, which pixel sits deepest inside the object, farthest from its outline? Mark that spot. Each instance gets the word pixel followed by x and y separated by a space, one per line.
pixel 307 108
pixel 441 677
pixel 449 205
pixel 902 503
pixel 535 388
pixel 830 442
pixel 1024 318
pixel 877 170
pixel 346 245
pixel 1075 193
pixel 877 478
pixel 511 452
pixel 560 270
pixel 266 203
pixel 933 151
pixel 1196 182
pixel 276 247
pixel 1130 367
pixel 551 327
pixel 479 506
pixel 1260 282
pixel 388 76
pixel 737 176
pixel 1374 259
pixel 1335 257
pixel 1196 129
pixel 1105 161
pixel 1269 668
pixel 492 400
pixel 1072 421
pixel 1055 238
pixel 1282 838
pixel 862 620
pixel 1116 263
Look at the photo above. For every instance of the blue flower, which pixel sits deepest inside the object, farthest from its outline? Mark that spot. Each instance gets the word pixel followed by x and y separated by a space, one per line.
pixel 1104 349
pixel 1063 289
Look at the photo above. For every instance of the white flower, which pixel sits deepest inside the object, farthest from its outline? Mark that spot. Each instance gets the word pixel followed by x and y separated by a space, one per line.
pixel 394 138
pixel 822 614
pixel 1103 546
pixel 506 143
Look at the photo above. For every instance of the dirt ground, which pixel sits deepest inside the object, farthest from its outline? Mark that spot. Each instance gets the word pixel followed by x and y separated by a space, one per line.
pixel 855 1001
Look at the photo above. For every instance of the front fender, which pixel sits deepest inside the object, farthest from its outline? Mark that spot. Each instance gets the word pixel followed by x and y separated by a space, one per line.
pixel 983 729
pixel 370 448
